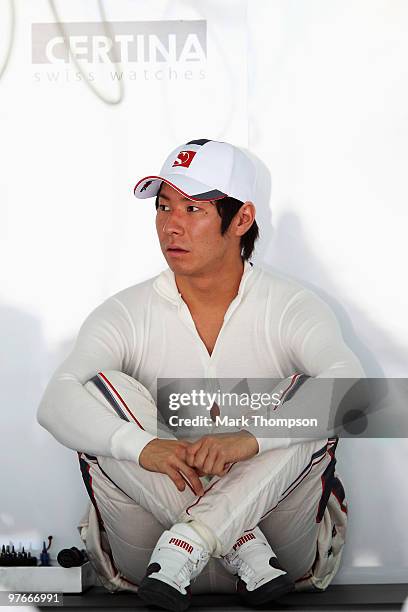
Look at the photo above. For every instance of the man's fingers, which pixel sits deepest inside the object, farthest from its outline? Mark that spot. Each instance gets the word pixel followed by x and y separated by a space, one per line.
pixel 219 467
pixel 192 477
pixel 176 478
pixel 191 451
pixel 208 465
pixel 200 457
pixel 190 458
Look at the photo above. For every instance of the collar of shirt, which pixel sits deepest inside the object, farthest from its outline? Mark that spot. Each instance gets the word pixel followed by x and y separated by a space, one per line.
pixel 165 285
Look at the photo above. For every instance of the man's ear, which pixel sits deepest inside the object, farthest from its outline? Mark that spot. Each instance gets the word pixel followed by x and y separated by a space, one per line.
pixel 244 218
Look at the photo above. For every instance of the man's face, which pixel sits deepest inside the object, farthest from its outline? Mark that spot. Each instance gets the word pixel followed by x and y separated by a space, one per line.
pixel 190 233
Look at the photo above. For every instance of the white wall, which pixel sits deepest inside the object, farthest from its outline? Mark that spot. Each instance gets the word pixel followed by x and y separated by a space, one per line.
pixel 327 114
pixel 318 91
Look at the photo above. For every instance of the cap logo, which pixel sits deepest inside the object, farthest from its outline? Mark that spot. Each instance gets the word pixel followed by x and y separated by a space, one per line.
pixel 184 158
pixel 146 185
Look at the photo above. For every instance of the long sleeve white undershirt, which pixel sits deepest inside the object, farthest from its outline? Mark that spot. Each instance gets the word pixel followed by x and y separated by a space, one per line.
pixel 272 328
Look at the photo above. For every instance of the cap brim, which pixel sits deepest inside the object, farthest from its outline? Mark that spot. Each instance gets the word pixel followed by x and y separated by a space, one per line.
pixel 149 186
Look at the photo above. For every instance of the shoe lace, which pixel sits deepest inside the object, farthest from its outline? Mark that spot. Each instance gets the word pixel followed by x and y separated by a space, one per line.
pixel 186 571
pixel 190 565
pixel 246 570
pixel 242 567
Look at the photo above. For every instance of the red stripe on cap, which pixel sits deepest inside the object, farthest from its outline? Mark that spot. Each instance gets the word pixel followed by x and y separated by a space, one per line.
pixel 176 188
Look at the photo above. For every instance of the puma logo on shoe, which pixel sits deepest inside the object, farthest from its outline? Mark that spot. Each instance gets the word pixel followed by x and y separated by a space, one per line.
pixel 243 539
pixel 182 544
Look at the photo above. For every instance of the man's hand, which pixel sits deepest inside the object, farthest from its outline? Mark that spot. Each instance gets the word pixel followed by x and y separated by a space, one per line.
pixel 212 454
pixel 169 457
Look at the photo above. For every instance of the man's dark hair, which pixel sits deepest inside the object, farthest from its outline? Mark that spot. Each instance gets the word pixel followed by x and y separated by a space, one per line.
pixel 227 209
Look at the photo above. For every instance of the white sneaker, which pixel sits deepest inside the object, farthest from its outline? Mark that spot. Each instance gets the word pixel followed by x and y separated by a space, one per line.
pixel 260 577
pixel 177 559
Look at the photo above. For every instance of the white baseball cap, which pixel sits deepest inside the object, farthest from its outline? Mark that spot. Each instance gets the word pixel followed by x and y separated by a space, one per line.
pixel 204 170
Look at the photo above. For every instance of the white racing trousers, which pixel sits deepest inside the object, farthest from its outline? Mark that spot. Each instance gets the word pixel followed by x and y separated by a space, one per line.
pixel 294 495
